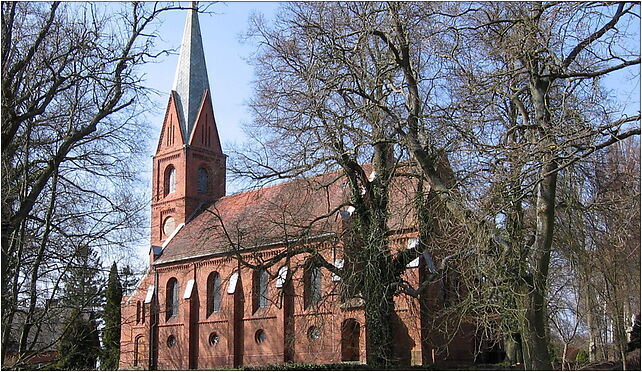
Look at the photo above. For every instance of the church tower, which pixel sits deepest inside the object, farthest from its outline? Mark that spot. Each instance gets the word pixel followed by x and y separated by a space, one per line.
pixel 189 165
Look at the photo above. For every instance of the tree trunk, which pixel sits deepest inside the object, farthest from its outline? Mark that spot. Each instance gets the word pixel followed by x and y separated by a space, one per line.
pixel 619 331
pixel 534 325
pixel 534 339
pixel 513 348
pixel 379 332
pixel 378 295
pixel 591 318
pixel 35 267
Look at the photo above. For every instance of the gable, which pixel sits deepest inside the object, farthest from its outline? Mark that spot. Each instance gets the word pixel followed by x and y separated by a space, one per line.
pixel 204 133
pixel 171 136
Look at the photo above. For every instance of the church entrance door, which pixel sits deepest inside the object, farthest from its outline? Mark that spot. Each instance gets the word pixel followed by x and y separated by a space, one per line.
pixel 350 331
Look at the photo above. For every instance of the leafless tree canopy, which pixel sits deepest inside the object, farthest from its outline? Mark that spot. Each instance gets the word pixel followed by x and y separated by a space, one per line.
pixel 72 99
pixel 494 104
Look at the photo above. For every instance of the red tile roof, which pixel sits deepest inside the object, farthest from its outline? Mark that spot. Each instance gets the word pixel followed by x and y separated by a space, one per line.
pixel 295 210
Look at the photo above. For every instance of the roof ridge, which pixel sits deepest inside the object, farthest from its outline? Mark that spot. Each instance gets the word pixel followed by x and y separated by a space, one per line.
pixel 286 182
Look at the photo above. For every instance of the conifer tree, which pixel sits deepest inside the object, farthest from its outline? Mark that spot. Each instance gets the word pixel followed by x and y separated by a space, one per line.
pixel 111 335
pixel 82 282
pixel 128 279
pixel 79 346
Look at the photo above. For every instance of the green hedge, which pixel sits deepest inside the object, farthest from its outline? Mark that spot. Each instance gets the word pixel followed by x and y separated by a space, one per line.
pixel 310 367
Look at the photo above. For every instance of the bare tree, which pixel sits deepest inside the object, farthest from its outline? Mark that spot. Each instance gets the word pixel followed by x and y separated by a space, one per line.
pixel 604 187
pixel 72 101
pixel 323 101
pixel 613 250
pixel 523 92
pixel 564 305
pixel 542 59
pixel 514 82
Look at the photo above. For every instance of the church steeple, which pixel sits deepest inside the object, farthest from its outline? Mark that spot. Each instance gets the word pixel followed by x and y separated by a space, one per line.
pixel 189 165
pixel 190 82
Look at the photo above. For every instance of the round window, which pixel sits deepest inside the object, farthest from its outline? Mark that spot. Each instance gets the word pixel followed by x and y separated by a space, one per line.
pixel 314 333
pixel 171 341
pixel 169 225
pixel 214 339
pixel 260 336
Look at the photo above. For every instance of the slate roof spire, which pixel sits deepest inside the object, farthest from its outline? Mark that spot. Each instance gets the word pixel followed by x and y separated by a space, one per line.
pixel 190 82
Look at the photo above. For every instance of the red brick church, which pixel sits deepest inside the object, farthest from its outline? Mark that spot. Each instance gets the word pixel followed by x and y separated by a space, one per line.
pixel 201 304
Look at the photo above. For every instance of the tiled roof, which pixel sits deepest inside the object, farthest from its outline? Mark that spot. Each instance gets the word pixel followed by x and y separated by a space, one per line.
pixel 51 326
pixel 295 210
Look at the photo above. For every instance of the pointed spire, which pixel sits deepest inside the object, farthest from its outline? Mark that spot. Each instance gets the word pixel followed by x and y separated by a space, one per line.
pixel 190 82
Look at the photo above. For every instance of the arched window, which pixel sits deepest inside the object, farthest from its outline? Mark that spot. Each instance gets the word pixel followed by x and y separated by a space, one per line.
pixel 171 300
pixel 170 180
pixel 259 289
pixel 311 285
pixel 202 181
pixel 140 351
pixel 213 293
pixel 231 286
pixel 138 312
